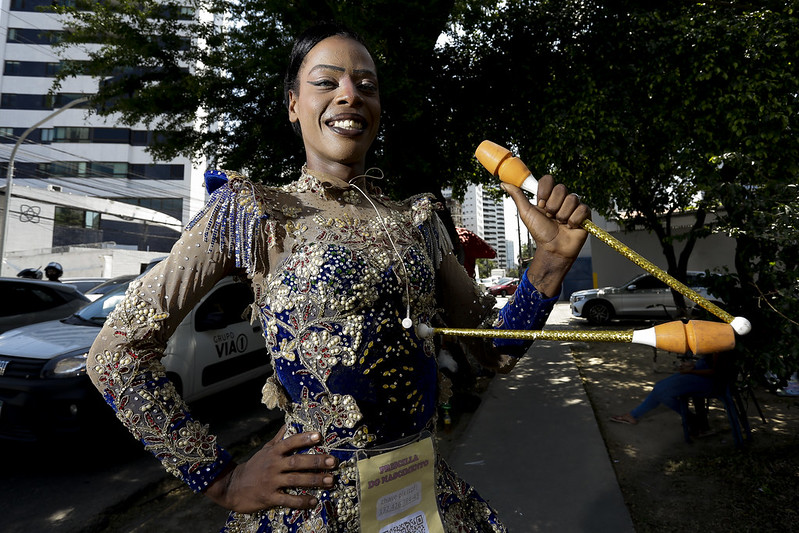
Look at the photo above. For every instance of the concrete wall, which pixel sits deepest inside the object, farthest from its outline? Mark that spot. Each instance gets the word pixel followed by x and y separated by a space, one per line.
pixel 612 269
pixel 81 262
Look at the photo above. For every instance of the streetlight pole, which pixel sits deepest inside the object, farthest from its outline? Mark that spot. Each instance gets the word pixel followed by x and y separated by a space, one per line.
pixel 10 173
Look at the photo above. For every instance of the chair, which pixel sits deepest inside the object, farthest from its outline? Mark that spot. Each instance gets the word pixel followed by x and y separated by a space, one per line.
pixel 729 395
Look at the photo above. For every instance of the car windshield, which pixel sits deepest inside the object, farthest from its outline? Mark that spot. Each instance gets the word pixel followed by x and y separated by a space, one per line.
pixel 97 311
pixel 504 281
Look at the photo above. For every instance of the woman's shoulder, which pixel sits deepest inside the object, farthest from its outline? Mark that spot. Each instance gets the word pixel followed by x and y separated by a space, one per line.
pixel 261 199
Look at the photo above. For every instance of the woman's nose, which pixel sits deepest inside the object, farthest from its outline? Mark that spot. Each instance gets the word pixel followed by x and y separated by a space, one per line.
pixel 348 92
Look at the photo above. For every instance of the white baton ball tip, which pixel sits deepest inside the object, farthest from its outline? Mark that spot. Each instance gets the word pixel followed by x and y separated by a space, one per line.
pixel 424 331
pixel 741 325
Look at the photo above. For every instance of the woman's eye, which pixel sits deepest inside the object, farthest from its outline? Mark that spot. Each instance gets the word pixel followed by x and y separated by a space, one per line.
pixel 368 87
pixel 323 83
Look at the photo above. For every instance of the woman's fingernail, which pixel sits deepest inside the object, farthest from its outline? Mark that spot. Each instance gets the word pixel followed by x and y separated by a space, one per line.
pixel 328 480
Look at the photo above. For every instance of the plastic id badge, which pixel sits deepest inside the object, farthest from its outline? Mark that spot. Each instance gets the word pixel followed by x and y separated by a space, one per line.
pixel 397 490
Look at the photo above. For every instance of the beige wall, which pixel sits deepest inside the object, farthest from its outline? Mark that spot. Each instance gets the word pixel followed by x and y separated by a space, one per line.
pixel 612 269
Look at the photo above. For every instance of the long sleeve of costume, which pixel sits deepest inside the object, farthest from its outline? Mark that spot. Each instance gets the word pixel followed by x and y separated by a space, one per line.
pixel 125 360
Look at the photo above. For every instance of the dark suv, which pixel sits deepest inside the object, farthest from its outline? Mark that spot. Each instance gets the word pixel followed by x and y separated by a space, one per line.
pixel 28 301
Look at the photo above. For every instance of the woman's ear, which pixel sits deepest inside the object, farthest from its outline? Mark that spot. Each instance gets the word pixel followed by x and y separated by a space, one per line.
pixel 293 116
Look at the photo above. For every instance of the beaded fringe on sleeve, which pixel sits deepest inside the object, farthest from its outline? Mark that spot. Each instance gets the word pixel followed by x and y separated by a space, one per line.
pixel 234 213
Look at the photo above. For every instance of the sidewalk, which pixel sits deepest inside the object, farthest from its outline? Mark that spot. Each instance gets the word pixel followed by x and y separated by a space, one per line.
pixel 533 448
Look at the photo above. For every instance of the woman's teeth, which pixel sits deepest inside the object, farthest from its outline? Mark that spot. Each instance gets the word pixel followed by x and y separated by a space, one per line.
pixel 346 124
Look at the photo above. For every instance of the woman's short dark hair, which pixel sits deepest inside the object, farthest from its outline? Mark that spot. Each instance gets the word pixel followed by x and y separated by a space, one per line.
pixel 304 43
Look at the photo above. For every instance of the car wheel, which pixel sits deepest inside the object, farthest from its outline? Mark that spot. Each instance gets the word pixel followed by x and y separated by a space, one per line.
pixel 599 313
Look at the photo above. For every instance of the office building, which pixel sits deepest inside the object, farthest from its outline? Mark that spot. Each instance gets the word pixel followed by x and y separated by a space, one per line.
pixel 77 154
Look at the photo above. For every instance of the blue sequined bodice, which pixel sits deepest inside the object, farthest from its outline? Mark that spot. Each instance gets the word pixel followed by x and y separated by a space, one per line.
pixel 347 365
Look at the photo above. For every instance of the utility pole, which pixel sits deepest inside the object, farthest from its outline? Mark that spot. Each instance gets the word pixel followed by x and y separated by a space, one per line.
pixel 10 174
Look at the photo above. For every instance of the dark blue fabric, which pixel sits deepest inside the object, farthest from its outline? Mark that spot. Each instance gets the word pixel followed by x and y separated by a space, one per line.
pixel 526 310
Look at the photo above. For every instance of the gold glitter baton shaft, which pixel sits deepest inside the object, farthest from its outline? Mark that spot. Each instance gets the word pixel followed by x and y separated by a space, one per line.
pixel 500 162
pixel 541 335
pixel 697 336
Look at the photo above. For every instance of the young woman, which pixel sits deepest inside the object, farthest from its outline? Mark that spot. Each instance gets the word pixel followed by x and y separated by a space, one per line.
pixel 341 276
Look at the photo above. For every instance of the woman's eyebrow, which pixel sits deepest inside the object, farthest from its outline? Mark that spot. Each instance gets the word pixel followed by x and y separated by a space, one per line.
pixel 360 71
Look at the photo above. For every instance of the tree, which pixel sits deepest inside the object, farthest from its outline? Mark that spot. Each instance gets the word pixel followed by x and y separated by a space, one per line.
pixel 484 267
pixel 636 107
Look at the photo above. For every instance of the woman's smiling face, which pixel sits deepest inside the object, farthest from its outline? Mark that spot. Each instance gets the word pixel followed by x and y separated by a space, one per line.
pixel 337 105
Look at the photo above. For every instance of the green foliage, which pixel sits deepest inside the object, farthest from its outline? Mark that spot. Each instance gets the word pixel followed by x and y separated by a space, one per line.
pixel 484 266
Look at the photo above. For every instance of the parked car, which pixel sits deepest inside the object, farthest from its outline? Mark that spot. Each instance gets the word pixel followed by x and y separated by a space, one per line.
pixel 107 286
pixel 504 287
pixel 28 301
pixel 84 284
pixel 644 296
pixel 44 389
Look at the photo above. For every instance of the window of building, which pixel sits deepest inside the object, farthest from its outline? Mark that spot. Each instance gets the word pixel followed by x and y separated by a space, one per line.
pixel 30 5
pixel 33 36
pixel 108 170
pixel 76 218
pixel 33 69
pixel 7 135
pixel 62 169
pixel 139 138
pixel 51 69
pixel 45 5
pixel 170 206
pixel 21 170
pixel 12 68
pixel 71 135
pixel 21 101
pixel 175 12
pixel 156 172
pixel 111 135
pixel 62 99
pixel 38 101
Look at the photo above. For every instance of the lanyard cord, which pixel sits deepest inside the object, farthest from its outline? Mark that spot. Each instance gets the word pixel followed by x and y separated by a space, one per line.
pixel 407 323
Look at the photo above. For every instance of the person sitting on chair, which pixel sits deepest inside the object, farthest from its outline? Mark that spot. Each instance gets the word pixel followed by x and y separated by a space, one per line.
pixel 692 378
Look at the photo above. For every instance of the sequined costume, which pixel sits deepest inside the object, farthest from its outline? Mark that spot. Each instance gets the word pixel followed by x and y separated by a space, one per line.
pixel 330 293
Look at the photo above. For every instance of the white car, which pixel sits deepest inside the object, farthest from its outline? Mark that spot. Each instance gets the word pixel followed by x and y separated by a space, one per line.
pixel 644 296
pixel 44 389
